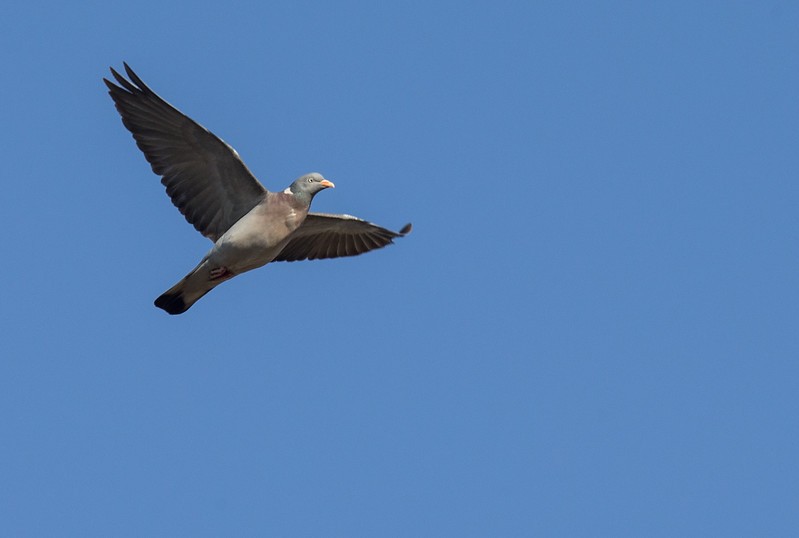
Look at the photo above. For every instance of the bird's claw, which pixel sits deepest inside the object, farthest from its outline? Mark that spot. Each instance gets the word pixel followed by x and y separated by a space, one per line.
pixel 220 272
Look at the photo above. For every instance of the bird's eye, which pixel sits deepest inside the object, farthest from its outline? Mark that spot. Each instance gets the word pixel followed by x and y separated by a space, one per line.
pixel 309 180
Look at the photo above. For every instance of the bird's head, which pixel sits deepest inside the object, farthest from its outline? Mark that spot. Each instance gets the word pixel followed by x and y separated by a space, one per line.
pixel 309 185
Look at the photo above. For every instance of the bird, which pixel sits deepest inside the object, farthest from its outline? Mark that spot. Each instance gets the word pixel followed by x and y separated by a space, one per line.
pixel 214 190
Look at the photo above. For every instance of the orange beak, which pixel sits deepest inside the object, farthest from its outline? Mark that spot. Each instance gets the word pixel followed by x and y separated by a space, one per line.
pixel 326 183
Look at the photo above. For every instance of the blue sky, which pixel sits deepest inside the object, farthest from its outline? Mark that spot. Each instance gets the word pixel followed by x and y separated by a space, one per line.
pixel 591 331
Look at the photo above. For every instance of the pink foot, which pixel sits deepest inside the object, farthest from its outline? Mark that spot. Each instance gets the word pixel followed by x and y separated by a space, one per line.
pixel 220 272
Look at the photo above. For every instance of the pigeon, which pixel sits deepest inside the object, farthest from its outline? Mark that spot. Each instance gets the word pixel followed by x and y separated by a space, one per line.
pixel 215 191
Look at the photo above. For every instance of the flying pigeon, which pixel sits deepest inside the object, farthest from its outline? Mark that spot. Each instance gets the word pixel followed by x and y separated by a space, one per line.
pixel 216 192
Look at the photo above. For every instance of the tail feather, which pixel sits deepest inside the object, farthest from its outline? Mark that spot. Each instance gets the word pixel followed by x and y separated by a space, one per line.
pixel 172 303
pixel 185 293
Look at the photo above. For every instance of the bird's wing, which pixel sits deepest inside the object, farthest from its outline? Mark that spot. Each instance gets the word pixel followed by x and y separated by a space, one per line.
pixel 332 236
pixel 204 177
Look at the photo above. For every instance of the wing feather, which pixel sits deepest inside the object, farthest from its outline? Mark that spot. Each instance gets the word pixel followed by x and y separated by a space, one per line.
pixel 204 177
pixel 324 235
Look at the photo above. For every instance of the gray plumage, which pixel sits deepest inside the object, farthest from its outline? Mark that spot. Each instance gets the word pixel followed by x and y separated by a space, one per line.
pixel 215 191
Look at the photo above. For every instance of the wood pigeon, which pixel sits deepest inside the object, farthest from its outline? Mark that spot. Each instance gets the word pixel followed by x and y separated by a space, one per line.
pixel 216 192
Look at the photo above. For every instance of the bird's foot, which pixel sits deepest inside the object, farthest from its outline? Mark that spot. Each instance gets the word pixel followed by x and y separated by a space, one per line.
pixel 220 273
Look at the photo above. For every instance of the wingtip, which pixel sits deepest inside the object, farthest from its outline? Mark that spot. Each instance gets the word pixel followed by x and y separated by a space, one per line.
pixel 136 80
pixel 406 229
pixel 123 83
pixel 133 84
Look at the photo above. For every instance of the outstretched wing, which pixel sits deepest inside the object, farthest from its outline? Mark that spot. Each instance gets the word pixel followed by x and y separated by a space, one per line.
pixel 333 236
pixel 204 177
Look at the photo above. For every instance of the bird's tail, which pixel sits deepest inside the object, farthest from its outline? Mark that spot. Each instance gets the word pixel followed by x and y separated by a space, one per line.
pixel 185 293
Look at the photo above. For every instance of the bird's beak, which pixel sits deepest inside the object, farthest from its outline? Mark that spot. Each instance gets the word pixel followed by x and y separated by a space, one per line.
pixel 326 183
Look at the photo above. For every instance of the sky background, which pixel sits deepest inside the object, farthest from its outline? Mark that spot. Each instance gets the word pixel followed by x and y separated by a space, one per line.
pixel 591 331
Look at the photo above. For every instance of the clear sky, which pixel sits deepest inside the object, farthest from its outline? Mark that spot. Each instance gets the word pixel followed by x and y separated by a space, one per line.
pixel 591 331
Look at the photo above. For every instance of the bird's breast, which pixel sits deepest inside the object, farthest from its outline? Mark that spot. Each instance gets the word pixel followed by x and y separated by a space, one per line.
pixel 255 239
